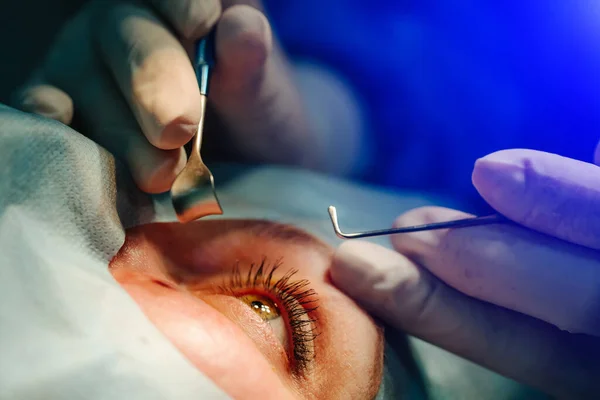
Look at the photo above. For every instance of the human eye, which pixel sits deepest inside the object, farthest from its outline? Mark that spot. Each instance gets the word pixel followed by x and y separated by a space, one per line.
pixel 286 304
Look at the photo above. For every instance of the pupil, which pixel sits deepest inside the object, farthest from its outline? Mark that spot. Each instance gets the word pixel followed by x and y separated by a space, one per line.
pixel 263 307
pixel 260 306
pixel 257 304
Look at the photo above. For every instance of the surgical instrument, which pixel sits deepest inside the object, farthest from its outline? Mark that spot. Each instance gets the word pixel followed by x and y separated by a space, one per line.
pixel 193 192
pixel 461 223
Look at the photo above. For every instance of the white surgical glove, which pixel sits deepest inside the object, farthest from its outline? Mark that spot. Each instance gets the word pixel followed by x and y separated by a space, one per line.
pixel 519 302
pixel 120 72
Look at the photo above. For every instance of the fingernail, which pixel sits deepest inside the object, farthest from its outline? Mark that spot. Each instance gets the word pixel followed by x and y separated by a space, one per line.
pixel 359 268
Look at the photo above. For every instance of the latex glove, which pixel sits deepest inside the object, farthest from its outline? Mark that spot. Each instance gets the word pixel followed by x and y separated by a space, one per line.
pixel 120 72
pixel 522 303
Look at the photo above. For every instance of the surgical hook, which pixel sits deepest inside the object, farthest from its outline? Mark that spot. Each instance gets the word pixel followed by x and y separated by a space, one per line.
pixel 461 223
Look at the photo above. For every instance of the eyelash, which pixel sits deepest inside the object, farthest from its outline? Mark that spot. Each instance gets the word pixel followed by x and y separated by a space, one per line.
pixel 297 299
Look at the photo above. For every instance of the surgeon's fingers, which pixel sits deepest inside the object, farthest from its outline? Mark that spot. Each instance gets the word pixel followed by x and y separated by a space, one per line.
pixel 114 127
pixel 249 88
pixel 45 100
pixel 243 45
pixel 253 93
pixel 513 267
pixel 545 192
pixel 100 110
pixel 192 19
pixel 153 72
pixel 410 298
pixel 152 169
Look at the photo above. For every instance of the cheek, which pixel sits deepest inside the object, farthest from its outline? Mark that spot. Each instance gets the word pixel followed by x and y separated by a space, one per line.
pixel 211 342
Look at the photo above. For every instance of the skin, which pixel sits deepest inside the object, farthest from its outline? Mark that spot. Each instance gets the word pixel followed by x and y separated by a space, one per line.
pixel 520 299
pixel 173 271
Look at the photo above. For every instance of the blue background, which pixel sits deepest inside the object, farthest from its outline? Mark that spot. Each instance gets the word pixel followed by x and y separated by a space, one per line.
pixel 447 81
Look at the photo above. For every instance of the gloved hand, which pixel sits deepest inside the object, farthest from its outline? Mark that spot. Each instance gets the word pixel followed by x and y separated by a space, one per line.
pixel 120 73
pixel 520 302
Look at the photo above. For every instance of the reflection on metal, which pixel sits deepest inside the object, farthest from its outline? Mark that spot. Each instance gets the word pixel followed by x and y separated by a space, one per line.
pixel 193 192
pixel 461 223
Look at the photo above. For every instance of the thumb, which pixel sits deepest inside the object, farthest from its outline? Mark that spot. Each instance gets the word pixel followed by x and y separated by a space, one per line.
pixel 411 299
pixel 385 282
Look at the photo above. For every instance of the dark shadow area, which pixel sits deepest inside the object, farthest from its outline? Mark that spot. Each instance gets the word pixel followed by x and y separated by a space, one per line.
pixel 27 29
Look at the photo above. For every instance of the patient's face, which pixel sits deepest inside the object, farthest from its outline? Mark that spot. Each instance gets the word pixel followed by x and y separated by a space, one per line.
pixel 250 305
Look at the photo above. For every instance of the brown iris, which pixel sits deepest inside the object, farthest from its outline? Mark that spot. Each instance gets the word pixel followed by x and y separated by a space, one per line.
pixel 262 306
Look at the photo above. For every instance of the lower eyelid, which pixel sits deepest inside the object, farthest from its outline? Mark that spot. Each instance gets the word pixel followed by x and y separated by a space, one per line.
pixel 271 313
pixel 297 353
pixel 280 329
pixel 295 299
pixel 253 326
pixel 304 325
